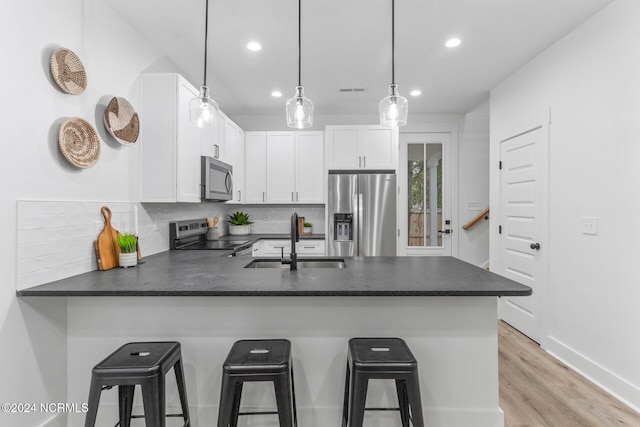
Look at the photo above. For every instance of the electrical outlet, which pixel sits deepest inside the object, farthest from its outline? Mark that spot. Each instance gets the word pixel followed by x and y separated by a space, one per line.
pixel 590 225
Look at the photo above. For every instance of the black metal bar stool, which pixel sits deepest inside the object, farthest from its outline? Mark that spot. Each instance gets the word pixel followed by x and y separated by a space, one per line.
pixel 258 360
pixel 144 364
pixel 381 358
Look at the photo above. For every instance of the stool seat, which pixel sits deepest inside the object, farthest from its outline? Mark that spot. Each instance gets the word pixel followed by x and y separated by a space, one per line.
pixel 253 356
pixel 380 354
pixel 144 364
pixel 258 360
pixel 381 358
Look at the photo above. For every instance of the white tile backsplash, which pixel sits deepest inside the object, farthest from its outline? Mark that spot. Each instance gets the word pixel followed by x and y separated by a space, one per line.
pixel 55 238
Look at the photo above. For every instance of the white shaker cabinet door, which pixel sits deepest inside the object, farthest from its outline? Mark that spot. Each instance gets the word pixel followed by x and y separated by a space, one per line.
pixel 256 167
pixel 309 167
pixel 280 167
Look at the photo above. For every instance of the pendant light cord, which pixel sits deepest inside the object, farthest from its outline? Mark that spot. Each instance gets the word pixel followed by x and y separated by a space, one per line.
pixel 206 34
pixel 299 43
pixel 393 42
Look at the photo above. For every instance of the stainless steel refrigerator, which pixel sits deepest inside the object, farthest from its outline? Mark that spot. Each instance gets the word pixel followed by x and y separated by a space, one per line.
pixel 362 213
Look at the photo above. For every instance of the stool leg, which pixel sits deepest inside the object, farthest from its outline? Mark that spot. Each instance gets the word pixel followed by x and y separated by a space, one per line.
pixel 177 368
pixel 227 395
pixel 95 389
pixel 293 396
pixel 125 404
pixel 357 398
pixel 415 401
pixel 403 404
pixel 235 410
pixel 153 400
pixel 345 401
pixel 284 400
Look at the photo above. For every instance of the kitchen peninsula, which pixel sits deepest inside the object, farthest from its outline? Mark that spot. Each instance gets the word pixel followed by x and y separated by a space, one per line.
pixel 444 308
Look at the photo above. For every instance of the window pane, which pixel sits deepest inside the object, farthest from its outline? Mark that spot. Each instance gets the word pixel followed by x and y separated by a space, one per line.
pixel 424 179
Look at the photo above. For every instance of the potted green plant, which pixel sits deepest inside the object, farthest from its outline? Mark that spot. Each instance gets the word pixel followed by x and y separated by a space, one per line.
pixel 239 223
pixel 307 227
pixel 128 250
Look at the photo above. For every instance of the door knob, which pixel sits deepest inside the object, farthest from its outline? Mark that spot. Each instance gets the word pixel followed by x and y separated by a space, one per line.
pixel 535 246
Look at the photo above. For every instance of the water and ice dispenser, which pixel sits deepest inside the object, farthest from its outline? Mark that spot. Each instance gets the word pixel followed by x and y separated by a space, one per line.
pixel 343 227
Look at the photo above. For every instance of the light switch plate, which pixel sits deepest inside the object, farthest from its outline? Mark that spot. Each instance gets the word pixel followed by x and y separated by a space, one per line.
pixel 474 206
pixel 590 225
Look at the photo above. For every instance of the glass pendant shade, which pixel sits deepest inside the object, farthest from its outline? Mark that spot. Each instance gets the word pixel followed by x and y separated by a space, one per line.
pixel 394 108
pixel 203 111
pixel 299 110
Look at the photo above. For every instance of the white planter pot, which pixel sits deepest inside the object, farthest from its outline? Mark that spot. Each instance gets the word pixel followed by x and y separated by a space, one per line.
pixel 307 230
pixel 239 230
pixel 128 260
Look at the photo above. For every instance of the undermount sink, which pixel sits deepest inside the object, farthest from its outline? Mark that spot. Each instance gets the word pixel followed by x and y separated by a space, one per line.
pixel 302 263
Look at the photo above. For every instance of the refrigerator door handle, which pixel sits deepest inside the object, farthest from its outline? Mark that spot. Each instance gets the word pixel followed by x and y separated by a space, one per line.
pixel 360 225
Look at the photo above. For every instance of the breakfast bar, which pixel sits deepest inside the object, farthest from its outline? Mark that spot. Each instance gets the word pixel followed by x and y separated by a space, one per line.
pixel 445 309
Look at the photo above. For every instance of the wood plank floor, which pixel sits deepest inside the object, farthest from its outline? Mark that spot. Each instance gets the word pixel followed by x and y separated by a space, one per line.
pixel 536 390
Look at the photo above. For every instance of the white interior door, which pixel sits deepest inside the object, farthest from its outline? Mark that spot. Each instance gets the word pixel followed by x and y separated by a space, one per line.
pixel 523 221
pixel 424 196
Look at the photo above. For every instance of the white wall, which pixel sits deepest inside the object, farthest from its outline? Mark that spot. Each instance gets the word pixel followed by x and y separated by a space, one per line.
pixel 591 81
pixel 473 181
pixel 33 332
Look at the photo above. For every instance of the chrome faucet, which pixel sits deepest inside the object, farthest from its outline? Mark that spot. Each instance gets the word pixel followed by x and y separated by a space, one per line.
pixel 295 237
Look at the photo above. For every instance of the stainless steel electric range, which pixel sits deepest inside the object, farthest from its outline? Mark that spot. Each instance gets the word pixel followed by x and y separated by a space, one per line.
pixel 192 235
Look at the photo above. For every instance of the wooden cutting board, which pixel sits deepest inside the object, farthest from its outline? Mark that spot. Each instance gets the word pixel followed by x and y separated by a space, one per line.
pixel 107 249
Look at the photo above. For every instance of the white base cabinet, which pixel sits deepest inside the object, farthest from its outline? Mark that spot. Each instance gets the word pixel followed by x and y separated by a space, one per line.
pixel 275 248
pixel 361 147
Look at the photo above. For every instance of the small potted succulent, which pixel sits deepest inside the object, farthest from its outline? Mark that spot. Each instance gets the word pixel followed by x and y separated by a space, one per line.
pixel 128 254
pixel 307 227
pixel 239 223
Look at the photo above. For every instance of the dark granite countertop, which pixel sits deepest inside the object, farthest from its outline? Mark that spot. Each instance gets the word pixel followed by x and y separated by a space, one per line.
pixel 213 273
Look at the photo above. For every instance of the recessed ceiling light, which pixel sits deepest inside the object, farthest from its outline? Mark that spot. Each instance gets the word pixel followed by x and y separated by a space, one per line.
pixel 254 46
pixel 454 42
pixel 276 94
pixel 415 92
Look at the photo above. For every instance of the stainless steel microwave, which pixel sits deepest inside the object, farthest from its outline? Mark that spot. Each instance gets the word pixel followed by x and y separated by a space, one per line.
pixel 217 180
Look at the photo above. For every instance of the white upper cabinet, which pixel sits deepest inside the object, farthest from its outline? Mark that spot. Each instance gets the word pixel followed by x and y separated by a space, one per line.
pixel 310 179
pixel 280 167
pixel 215 140
pixel 284 167
pixel 169 143
pixel 255 167
pixel 361 147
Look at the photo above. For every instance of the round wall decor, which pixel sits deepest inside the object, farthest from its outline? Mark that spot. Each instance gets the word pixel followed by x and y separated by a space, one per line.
pixel 68 72
pixel 79 142
pixel 121 121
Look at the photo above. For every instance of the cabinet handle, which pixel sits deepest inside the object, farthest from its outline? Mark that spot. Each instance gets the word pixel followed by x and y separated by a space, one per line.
pixel 263 199
pixel 365 161
pixel 293 199
pixel 216 151
pixel 359 161
pixel 239 195
pixel 297 196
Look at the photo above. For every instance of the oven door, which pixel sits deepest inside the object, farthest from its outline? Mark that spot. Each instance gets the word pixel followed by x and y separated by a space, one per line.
pixel 217 180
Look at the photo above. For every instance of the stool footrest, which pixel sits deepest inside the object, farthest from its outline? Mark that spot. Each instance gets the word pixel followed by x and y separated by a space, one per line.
pixel 259 413
pixel 382 409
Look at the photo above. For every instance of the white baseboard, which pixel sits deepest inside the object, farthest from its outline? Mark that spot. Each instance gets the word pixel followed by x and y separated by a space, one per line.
pixel 618 387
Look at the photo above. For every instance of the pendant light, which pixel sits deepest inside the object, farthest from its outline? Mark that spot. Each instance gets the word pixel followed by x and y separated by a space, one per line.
pixel 203 111
pixel 299 108
pixel 393 108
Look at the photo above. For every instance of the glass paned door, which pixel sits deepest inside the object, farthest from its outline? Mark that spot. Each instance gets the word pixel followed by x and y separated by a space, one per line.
pixel 424 182
pixel 424 200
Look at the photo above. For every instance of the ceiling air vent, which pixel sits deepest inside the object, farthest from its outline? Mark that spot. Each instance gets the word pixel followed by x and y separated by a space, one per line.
pixel 352 89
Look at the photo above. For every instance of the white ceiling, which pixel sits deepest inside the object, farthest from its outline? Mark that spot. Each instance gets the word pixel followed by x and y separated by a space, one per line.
pixel 347 44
